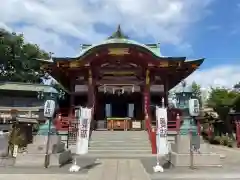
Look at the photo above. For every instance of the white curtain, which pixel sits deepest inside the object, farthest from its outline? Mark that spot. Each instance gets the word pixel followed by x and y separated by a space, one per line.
pixel 131 110
pixel 108 110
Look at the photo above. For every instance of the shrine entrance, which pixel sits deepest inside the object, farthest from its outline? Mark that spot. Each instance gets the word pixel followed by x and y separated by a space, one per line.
pixel 118 106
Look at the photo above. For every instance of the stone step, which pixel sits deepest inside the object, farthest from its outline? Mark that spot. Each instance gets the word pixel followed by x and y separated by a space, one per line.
pixel 120 140
pixel 119 132
pixel 123 151
pixel 118 155
pixel 119 137
pixel 118 144
pixel 122 134
pixel 171 138
pixel 120 148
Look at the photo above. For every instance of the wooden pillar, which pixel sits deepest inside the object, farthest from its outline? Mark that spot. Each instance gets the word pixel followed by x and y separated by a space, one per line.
pixel 166 89
pixel 91 90
pixel 91 98
pixel 237 123
pixel 146 98
pixel 72 98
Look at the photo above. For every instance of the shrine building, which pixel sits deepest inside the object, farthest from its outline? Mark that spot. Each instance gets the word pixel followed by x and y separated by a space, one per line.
pixel 121 79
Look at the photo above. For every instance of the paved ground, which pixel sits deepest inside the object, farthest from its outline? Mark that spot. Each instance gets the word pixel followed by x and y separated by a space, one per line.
pixel 129 169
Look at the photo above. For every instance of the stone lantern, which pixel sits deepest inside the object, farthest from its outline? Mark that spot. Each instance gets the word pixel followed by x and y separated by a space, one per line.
pixel 47 94
pixel 187 150
pixel 183 94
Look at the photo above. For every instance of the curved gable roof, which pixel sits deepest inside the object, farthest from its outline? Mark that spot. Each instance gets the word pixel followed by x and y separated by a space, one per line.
pixel 153 50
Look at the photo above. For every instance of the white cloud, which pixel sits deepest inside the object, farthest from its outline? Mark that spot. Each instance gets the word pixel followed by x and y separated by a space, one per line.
pixel 217 76
pixel 48 22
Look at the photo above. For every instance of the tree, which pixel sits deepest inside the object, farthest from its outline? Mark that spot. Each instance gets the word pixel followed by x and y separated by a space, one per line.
pixel 221 100
pixel 196 88
pixel 237 87
pixel 18 60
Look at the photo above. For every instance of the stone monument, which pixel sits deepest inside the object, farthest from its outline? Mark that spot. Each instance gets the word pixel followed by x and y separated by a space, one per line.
pixel 181 148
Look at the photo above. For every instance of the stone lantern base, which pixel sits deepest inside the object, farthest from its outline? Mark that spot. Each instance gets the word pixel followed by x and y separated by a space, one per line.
pixel 180 154
pixel 36 152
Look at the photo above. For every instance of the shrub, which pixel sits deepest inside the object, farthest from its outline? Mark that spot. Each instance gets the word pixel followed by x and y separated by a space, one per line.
pixel 224 140
pixel 230 142
pixel 215 140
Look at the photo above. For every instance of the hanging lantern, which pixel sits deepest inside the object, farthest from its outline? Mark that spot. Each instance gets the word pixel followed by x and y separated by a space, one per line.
pixel 104 89
pixel 122 90
pixel 163 102
pixel 133 89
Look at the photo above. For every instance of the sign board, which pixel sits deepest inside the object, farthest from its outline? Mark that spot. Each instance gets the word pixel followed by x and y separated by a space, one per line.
pixel 83 130
pixel 49 108
pixel 194 107
pixel 162 142
pixel 15 150
pixel 136 125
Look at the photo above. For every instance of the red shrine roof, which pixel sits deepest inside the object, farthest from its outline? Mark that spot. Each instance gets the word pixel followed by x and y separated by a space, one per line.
pixel 120 48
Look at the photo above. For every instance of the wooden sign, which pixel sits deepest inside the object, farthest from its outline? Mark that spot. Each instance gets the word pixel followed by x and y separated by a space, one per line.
pixel 118 51
pixel 74 64
pixel 163 64
pixel 15 150
pixel 136 125
pixel 194 65
pixel 119 73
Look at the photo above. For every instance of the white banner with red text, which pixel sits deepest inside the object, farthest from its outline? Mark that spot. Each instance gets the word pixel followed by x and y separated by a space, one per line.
pixel 84 121
pixel 162 142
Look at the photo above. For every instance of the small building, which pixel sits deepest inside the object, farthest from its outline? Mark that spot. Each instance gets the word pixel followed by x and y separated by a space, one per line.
pixel 25 98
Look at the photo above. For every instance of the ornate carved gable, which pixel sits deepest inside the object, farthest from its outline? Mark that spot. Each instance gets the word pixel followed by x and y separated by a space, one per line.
pixel 118 65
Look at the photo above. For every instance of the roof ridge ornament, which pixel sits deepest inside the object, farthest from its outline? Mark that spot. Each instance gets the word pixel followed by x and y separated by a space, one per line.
pixel 118 34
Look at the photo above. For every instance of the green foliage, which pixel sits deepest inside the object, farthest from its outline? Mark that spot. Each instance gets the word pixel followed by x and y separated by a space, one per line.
pixel 215 140
pixel 222 140
pixel 18 59
pixel 222 100
pixel 237 86
pixel 196 88
pixel 221 97
pixel 230 142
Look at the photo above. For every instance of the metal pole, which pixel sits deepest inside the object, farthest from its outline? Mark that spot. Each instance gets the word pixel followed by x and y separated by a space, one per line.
pixel 191 149
pixel 47 156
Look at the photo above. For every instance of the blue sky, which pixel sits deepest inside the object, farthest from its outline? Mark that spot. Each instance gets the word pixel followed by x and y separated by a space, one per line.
pixel 192 28
pixel 217 36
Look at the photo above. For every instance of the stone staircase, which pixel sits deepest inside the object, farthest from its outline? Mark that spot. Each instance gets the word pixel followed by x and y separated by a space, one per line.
pixel 120 144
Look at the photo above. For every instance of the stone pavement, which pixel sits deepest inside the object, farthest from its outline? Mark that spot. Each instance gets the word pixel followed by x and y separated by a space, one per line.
pixel 106 169
pixel 129 169
pixel 119 169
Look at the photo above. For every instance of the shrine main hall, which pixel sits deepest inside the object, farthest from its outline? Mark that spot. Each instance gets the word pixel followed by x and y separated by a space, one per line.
pixel 120 78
